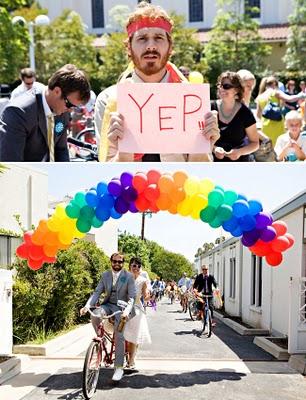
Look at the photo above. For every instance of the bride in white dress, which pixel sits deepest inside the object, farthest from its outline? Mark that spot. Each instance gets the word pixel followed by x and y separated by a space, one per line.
pixel 136 331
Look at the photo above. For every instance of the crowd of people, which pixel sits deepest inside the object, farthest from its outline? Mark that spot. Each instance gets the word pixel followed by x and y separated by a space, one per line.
pixel 231 128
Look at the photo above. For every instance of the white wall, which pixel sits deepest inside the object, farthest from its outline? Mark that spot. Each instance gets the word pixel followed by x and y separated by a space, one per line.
pixel 106 237
pixel 24 191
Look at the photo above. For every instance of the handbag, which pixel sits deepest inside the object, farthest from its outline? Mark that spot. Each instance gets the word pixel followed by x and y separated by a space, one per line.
pixel 265 152
pixel 272 111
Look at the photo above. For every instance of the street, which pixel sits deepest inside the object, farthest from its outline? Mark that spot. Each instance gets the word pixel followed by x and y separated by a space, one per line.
pixel 180 364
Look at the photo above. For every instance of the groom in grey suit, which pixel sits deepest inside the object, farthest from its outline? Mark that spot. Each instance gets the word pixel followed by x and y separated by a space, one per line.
pixel 116 284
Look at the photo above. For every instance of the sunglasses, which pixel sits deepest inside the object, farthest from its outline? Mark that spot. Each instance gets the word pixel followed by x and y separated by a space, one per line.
pixel 68 103
pixel 117 262
pixel 136 265
pixel 226 86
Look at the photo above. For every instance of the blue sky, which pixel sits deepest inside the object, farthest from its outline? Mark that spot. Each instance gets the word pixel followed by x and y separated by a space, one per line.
pixel 272 184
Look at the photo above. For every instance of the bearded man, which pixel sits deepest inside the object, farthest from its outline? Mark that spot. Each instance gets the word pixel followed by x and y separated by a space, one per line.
pixel 149 46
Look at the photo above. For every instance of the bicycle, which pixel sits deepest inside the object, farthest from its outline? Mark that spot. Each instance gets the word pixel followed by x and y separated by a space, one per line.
pixel 206 319
pixel 98 353
pixel 89 152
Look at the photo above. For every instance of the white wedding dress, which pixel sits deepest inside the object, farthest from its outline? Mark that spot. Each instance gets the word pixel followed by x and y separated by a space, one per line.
pixel 136 329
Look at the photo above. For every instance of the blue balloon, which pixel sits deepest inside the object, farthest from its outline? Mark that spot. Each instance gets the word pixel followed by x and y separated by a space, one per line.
pixel 91 198
pixel 240 208
pixel 103 214
pixel 255 207
pixel 230 225
pixel 247 223
pixel 106 201
pixel 101 188
pixel 237 232
pixel 114 214
pixel 242 197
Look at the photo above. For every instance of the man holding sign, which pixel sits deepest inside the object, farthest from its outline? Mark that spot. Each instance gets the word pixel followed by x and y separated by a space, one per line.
pixel 156 122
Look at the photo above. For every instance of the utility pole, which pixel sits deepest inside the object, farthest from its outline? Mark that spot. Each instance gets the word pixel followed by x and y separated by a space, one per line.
pixel 143 217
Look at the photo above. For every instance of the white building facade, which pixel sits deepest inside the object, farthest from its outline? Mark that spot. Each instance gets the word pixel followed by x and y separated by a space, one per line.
pixel 199 14
pixel 272 298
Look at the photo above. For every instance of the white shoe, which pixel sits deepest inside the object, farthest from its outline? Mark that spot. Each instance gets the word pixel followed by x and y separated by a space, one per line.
pixel 118 374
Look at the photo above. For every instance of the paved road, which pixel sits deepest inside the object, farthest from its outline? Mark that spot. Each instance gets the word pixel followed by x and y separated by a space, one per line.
pixel 179 364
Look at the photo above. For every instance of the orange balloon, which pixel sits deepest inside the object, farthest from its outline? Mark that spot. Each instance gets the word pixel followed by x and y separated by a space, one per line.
pixel 166 183
pixel 177 195
pixel 50 251
pixel 179 178
pixel 42 226
pixel 173 208
pixel 163 202
pixel 39 237
pixel 52 239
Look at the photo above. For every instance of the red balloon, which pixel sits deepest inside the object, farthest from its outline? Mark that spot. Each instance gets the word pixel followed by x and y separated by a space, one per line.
pixel 36 252
pixel 153 207
pixel 280 227
pixel 274 258
pixel 22 251
pixel 153 176
pixel 151 192
pixel 291 239
pixel 140 182
pixel 280 243
pixel 50 260
pixel 27 237
pixel 35 264
pixel 261 248
pixel 142 204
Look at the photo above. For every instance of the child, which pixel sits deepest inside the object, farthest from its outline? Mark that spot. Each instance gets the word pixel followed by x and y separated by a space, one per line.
pixel 291 146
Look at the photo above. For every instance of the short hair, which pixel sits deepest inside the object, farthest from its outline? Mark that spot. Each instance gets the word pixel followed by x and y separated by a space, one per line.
pixel 70 79
pixel 235 80
pixel 293 115
pixel 204 266
pixel 135 260
pixel 27 73
pixel 246 75
pixel 115 255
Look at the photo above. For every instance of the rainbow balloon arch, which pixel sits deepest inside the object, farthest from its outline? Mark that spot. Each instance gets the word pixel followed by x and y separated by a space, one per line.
pixel 154 191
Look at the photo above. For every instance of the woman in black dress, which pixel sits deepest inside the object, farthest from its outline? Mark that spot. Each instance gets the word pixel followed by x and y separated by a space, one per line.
pixel 238 134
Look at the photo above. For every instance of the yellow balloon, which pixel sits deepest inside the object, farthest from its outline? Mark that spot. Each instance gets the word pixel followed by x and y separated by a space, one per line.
pixel 184 208
pixel 199 201
pixel 206 185
pixel 65 237
pixel 60 210
pixel 191 186
pixel 196 77
pixel 195 214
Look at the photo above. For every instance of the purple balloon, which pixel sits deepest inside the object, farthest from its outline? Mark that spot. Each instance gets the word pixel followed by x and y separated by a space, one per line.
pixel 114 187
pixel 129 194
pixel 126 179
pixel 262 220
pixel 268 234
pixel 133 208
pixel 247 241
pixel 121 206
pixel 252 236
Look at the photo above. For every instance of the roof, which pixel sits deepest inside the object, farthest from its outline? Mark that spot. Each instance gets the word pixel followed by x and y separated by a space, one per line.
pixel 269 33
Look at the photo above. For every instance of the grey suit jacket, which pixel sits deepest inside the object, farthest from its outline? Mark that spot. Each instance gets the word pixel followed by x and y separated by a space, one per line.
pixel 126 289
pixel 23 131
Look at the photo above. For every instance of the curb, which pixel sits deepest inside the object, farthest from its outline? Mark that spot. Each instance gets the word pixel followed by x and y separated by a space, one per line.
pixel 242 330
pixel 298 362
pixel 60 343
pixel 272 348
pixel 13 367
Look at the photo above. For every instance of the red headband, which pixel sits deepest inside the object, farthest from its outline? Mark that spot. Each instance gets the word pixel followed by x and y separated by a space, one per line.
pixel 147 22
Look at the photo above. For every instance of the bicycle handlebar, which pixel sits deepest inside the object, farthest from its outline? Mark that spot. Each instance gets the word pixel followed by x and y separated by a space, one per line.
pixel 104 316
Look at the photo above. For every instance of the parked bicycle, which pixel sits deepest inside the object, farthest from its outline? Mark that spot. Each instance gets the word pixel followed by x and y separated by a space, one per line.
pixel 100 351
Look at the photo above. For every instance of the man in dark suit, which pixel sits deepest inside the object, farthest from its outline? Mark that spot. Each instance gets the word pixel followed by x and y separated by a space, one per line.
pixel 25 121
pixel 116 284
pixel 204 283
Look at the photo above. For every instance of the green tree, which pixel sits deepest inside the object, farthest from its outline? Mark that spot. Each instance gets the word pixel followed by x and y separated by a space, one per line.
pixel 295 57
pixel 30 12
pixel 235 42
pixel 118 16
pixel 133 246
pixel 64 41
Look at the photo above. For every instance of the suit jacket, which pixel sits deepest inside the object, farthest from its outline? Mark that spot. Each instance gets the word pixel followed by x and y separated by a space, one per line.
pixel 23 131
pixel 126 289
pixel 199 283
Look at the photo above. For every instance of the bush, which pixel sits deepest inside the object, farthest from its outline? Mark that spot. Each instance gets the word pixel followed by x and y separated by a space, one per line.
pixel 49 299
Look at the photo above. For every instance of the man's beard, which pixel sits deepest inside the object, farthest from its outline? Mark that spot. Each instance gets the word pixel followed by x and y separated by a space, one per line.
pixel 150 67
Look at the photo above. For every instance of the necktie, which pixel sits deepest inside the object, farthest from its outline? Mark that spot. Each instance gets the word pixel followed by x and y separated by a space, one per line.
pixel 51 136
pixel 206 284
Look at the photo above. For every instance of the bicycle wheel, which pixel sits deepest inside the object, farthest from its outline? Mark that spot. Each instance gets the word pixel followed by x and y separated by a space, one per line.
pixel 91 370
pixel 207 321
pixel 87 135
pixel 193 310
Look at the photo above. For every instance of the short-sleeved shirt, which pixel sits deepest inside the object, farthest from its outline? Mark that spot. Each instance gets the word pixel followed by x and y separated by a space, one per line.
pixel 233 135
pixel 283 140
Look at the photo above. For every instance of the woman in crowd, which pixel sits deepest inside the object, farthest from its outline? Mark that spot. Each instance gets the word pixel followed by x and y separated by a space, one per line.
pixel 238 133
pixel 248 82
pixel 291 146
pixel 136 330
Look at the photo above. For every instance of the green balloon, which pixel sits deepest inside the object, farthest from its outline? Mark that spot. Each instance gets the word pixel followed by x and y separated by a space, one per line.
pixel 230 197
pixel 224 212
pixel 79 199
pixel 72 210
pixel 96 223
pixel 208 214
pixel 215 198
pixel 215 223
pixel 219 188
pixel 87 212
pixel 83 225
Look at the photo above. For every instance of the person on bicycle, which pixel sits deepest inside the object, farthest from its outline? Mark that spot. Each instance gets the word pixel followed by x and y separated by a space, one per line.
pixel 203 285
pixel 116 284
pixel 183 285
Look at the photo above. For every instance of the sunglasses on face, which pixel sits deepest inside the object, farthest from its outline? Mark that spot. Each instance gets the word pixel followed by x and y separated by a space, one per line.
pixel 117 262
pixel 136 265
pixel 226 86
pixel 68 103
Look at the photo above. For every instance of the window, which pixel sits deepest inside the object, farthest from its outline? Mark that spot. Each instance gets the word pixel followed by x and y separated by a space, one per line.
pixel 195 10
pixel 148 1
pixel 232 278
pixel 8 246
pixel 249 4
pixel 97 9
pixel 256 281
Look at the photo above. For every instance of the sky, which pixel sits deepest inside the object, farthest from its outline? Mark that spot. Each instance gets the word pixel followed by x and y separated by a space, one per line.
pixel 271 183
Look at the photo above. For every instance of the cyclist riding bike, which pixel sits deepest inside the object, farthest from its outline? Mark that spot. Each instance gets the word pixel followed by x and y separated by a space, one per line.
pixel 183 285
pixel 203 285
pixel 116 284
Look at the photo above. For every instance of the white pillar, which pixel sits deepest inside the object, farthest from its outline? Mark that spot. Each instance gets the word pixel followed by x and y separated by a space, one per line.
pixel 6 312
